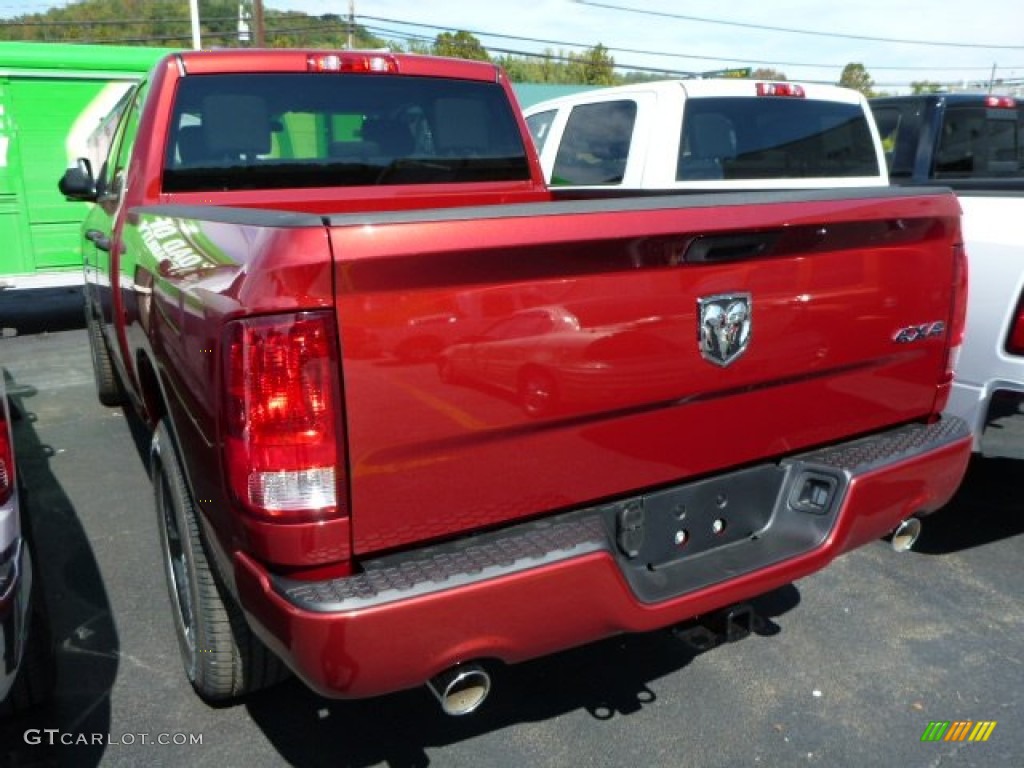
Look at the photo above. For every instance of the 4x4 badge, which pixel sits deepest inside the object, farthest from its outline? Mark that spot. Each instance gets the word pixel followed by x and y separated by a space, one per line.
pixel 725 322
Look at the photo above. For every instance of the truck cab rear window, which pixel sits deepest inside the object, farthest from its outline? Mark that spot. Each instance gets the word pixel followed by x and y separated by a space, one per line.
pixel 279 131
pixel 976 141
pixel 742 138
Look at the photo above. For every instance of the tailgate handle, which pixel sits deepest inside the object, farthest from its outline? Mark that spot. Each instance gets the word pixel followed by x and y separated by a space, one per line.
pixel 98 239
pixel 729 247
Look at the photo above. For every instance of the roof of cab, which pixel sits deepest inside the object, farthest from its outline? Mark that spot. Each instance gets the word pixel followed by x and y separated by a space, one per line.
pixel 721 87
pixel 225 60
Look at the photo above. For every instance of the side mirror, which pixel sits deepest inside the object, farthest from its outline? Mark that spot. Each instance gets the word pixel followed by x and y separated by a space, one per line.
pixel 78 183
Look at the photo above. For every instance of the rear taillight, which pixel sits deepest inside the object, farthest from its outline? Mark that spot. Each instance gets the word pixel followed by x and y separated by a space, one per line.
pixel 1015 340
pixel 957 324
pixel 791 90
pixel 1000 102
pixel 282 433
pixel 381 63
pixel 6 457
pixel 958 313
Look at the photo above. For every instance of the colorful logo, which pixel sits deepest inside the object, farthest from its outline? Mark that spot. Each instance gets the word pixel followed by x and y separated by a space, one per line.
pixel 958 730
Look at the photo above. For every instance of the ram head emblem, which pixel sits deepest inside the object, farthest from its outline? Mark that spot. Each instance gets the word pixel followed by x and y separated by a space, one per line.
pixel 725 322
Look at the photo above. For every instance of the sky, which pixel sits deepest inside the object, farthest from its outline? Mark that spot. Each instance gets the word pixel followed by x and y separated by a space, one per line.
pixel 898 41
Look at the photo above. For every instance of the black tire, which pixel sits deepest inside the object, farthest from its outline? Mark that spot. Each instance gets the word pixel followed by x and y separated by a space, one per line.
pixel 223 659
pixel 36 677
pixel 108 385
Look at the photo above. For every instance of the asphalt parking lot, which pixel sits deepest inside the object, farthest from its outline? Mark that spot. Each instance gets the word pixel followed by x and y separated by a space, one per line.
pixel 848 668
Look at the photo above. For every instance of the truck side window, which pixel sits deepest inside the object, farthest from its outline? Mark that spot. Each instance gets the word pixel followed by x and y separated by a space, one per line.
pixel 899 126
pixel 888 121
pixel 540 125
pixel 978 142
pixel 100 142
pixel 595 145
pixel 112 178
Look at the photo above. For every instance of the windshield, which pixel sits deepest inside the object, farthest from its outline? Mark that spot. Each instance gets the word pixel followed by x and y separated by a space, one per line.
pixel 276 131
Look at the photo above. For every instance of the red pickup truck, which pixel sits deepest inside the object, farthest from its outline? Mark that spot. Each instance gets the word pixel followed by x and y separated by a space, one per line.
pixel 632 411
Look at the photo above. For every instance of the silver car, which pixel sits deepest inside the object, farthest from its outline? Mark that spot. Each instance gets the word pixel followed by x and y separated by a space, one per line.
pixel 25 672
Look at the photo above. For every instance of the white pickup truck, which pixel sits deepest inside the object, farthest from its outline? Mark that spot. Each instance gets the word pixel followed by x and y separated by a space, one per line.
pixel 708 134
pixel 974 143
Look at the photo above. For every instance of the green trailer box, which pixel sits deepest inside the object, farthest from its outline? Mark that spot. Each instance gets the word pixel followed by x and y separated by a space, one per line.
pixel 52 97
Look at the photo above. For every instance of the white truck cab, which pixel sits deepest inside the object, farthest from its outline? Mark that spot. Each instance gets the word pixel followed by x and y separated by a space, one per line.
pixel 723 134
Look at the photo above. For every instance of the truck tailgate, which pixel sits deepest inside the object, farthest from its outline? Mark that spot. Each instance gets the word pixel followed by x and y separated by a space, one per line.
pixel 504 362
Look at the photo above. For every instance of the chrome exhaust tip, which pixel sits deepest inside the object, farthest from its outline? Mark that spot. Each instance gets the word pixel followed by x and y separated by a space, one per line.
pixel 461 689
pixel 906 534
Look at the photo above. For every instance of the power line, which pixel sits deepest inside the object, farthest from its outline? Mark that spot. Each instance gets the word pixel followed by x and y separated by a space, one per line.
pixel 111 22
pixel 673 54
pixel 20 8
pixel 393 35
pixel 207 35
pixel 398 35
pixel 548 56
pixel 794 31
pixel 543 41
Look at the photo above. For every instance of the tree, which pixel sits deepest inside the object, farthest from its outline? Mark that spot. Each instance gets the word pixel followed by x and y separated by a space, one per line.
pixel 552 67
pixel 856 76
pixel 592 67
pixel 766 73
pixel 167 23
pixel 629 78
pixel 460 45
pixel 521 69
pixel 411 45
pixel 925 86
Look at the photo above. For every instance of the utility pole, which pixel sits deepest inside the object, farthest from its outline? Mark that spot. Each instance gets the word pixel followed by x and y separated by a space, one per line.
pixel 257 20
pixel 193 8
pixel 351 22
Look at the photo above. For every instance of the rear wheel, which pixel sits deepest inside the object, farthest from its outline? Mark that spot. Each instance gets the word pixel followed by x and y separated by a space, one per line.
pixel 108 386
pixel 222 658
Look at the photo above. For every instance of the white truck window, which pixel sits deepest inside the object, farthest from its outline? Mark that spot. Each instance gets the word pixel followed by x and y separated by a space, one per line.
pixel 595 144
pixel 979 142
pixel 743 138
pixel 540 127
